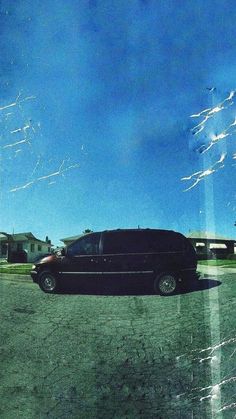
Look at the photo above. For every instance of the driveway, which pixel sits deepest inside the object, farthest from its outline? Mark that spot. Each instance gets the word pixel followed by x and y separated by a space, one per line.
pixel 118 356
pixel 207 270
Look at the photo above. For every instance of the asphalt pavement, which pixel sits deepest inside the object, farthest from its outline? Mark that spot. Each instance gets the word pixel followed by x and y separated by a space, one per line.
pixel 118 354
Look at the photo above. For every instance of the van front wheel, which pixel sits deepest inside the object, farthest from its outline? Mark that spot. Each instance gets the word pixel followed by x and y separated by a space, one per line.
pixel 165 283
pixel 48 282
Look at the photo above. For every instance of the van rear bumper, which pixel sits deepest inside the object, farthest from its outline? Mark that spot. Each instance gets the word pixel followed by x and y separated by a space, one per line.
pixel 190 274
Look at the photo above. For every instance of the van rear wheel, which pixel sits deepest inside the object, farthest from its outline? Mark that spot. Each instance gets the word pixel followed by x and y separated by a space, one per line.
pixel 165 283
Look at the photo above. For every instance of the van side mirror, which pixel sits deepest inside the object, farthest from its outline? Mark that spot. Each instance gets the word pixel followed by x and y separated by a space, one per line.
pixel 63 252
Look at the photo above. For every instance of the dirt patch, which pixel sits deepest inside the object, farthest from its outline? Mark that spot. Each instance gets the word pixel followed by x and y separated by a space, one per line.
pixel 24 310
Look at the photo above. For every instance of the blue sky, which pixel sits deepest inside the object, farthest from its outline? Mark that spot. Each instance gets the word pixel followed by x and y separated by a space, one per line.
pixel 95 105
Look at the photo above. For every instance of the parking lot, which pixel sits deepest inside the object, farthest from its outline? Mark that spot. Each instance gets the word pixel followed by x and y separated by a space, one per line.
pixel 118 355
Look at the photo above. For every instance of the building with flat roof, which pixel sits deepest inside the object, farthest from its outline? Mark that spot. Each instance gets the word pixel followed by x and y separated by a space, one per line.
pixel 211 245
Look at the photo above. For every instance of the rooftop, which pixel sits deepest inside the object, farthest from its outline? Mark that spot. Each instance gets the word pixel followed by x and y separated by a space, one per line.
pixel 207 235
pixel 20 237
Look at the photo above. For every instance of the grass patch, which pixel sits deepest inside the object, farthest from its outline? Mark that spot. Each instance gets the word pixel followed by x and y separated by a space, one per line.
pixel 16 268
pixel 218 262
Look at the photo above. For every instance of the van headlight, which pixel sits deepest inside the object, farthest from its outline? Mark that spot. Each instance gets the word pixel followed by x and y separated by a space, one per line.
pixel 33 266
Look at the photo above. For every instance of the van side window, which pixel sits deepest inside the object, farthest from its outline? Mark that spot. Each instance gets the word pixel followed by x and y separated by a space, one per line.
pixel 125 242
pixel 88 245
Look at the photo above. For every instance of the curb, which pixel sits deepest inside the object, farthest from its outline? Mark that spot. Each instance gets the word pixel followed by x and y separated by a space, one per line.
pixel 15 276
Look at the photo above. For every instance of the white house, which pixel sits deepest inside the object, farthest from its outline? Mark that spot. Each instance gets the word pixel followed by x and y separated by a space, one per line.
pixel 23 242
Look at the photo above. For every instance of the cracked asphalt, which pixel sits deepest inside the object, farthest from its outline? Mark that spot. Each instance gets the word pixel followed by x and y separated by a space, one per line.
pixel 116 354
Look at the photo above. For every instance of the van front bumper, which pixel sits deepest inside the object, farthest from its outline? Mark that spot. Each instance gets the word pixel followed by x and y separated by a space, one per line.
pixel 34 275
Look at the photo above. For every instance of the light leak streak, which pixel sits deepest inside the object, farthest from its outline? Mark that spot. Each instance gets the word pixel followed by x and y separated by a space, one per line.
pixel 59 172
pixel 11 104
pixel 16 143
pixel 214 140
pixel 231 125
pixel 199 176
pixel 210 349
pixel 200 113
pixel 201 125
pixel 199 130
pixel 17 102
pixel 233 353
pixel 213 391
pixel 36 166
pixel 22 187
pixel 15 131
pixel 217 108
pixel 220 136
pixel 209 113
pixel 17 152
pixel 230 97
pixel 226 407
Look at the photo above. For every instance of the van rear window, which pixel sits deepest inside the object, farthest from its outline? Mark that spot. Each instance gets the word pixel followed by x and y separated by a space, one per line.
pixel 165 242
pixel 142 242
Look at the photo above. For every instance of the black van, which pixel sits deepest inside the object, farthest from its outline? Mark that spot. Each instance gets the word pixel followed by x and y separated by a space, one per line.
pixel 162 256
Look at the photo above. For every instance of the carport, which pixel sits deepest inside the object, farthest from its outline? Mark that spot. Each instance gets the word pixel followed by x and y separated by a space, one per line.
pixel 209 245
pixel 5 245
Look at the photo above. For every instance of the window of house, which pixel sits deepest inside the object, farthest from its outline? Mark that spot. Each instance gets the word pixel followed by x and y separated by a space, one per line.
pixel 218 246
pixel 32 247
pixel 49 250
pixel 39 247
pixel 200 244
pixel 4 249
pixel 19 247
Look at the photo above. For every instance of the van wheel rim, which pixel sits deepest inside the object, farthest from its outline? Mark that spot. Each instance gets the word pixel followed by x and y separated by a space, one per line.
pixel 167 284
pixel 49 283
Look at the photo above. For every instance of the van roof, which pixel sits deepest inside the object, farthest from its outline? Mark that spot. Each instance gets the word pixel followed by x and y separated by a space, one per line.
pixel 141 229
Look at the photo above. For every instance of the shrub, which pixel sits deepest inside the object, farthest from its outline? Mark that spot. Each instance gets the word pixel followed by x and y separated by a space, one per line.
pixel 232 256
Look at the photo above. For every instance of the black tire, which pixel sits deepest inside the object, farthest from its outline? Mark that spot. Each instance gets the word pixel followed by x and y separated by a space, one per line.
pixel 166 283
pixel 48 282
